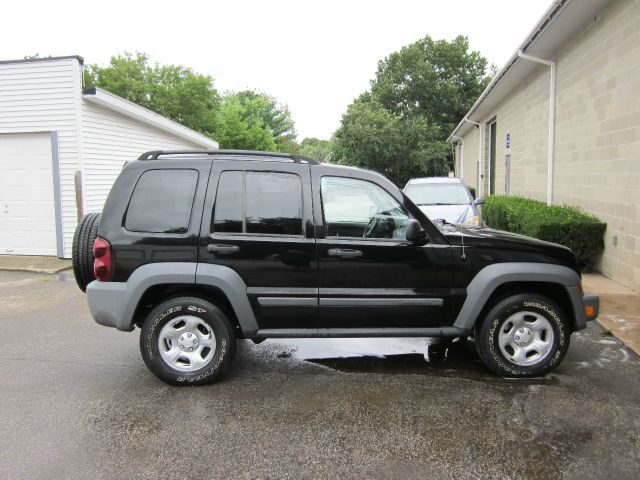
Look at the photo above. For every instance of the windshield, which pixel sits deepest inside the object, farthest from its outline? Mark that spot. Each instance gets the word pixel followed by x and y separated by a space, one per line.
pixel 438 194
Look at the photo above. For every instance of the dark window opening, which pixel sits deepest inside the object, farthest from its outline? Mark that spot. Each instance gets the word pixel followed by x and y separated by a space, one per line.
pixel 262 203
pixel 162 201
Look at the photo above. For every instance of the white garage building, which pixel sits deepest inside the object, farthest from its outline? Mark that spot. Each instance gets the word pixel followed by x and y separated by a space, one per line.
pixel 59 143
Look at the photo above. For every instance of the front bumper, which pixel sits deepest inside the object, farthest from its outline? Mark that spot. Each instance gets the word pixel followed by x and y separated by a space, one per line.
pixel 591 306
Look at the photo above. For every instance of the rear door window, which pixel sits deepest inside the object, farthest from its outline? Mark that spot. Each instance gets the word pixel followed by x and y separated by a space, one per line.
pixel 262 203
pixel 162 201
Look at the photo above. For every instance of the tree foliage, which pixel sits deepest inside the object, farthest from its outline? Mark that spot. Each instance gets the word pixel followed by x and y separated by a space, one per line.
pixel 317 149
pixel 174 91
pixel 240 120
pixel 256 121
pixel 400 126
pixel 373 137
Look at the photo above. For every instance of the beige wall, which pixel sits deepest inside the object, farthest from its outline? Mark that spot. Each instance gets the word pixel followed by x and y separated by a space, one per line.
pixel 597 147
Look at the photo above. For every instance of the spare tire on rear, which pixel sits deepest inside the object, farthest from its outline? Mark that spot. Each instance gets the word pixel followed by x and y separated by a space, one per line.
pixel 82 249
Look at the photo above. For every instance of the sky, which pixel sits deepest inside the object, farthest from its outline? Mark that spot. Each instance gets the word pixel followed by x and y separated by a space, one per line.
pixel 314 56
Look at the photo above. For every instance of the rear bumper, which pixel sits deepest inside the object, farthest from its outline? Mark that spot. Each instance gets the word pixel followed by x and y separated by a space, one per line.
pixel 107 304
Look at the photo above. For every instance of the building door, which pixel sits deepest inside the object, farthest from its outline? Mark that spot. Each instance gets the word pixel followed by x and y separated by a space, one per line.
pixel 492 157
pixel 27 202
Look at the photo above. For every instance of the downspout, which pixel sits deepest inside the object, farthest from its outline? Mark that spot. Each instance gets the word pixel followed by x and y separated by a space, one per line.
pixel 552 120
pixel 480 148
pixel 461 142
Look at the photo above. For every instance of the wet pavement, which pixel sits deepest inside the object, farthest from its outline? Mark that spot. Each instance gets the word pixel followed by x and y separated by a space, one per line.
pixel 78 402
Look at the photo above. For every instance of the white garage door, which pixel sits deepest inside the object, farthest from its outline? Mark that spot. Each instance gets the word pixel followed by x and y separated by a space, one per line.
pixel 27 208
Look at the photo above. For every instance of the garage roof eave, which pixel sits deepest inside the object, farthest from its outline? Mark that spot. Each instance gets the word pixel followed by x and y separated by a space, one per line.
pixel 118 104
pixel 562 20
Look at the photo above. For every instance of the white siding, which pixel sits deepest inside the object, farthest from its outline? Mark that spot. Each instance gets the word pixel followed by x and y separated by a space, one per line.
pixel 45 96
pixel 39 97
pixel 109 140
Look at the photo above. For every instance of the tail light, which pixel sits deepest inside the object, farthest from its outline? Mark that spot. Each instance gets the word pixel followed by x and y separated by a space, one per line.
pixel 102 264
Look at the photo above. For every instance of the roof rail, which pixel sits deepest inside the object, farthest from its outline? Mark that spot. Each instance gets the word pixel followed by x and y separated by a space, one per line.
pixel 155 154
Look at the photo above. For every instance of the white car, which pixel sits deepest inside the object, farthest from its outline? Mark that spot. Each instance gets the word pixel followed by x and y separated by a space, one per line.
pixel 445 198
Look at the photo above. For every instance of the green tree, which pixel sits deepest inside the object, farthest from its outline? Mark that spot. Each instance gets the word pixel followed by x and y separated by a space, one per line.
pixel 435 79
pixel 416 99
pixel 264 111
pixel 317 149
pixel 399 147
pixel 174 91
pixel 237 129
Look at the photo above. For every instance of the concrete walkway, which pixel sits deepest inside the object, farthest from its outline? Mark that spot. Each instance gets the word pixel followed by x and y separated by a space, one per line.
pixel 619 308
pixel 28 263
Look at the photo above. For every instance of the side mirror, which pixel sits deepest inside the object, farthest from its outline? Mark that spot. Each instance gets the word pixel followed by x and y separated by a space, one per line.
pixel 414 232
pixel 479 201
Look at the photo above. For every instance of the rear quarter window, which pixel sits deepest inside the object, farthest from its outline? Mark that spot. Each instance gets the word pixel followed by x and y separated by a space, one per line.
pixel 161 201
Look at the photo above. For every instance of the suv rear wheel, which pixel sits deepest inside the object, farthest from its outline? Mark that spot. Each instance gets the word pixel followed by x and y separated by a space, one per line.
pixel 524 335
pixel 187 341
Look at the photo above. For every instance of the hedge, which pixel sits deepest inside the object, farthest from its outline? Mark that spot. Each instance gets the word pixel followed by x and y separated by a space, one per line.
pixel 569 226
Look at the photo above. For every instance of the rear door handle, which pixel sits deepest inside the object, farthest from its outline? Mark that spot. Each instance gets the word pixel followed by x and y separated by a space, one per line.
pixel 222 248
pixel 344 253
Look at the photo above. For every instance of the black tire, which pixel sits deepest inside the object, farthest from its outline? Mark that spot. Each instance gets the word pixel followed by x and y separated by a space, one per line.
pixel 502 322
pixel 210 322
pixel 82 249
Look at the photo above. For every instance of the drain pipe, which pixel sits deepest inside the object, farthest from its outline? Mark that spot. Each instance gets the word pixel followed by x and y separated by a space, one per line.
pixel 480 147
pixel 552 119
pixel 461 142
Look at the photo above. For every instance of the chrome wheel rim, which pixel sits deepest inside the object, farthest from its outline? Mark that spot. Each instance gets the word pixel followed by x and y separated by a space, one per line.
pixel 186 343
pixel 526 338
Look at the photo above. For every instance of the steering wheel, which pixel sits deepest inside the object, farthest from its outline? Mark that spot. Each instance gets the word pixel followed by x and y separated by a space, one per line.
pixel 371 226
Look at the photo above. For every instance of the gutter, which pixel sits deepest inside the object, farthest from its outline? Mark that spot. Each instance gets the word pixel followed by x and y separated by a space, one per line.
pixel 552 119
pixel 461 142
pixel 552 12
pixel 479 184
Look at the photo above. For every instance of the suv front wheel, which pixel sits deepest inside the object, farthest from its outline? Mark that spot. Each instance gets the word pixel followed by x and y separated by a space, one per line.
pixel 524 335
pixel 187 341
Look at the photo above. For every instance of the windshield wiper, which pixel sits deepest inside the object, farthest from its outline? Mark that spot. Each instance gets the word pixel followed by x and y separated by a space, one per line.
pixel 427 204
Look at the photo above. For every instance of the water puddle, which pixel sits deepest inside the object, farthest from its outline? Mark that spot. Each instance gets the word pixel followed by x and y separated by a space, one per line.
pixel 424 356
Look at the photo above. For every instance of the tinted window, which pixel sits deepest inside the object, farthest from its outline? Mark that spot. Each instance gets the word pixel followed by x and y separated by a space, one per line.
pixel 229 208
pixel 161 201
pixel 272 205
pixel 356 208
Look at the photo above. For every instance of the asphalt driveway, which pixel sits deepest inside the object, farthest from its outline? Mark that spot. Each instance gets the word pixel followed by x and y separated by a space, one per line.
pixel 77 402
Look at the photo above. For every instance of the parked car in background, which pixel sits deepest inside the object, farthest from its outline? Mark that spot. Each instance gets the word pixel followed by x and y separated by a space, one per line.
pixel 445 198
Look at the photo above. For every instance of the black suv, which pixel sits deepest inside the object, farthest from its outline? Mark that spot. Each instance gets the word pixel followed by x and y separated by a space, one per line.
pixel 201 248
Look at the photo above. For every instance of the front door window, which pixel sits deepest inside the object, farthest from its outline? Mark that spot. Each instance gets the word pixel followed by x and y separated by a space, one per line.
pixel 360 209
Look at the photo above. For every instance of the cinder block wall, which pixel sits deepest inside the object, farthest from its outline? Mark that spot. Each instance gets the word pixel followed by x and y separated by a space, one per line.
pixel 597 148
pixel 597 164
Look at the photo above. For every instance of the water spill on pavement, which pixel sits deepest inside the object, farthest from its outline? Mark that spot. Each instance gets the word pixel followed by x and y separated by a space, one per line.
pixel 385 355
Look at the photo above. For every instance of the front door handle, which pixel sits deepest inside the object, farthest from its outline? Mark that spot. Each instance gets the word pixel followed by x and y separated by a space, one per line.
pixel 222 248
pixel 344 253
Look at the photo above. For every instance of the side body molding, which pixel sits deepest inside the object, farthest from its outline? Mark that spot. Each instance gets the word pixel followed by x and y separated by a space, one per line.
pixel 491 277
pixel 232 285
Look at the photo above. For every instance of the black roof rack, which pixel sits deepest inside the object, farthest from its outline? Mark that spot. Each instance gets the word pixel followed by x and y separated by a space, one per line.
pixel 155 154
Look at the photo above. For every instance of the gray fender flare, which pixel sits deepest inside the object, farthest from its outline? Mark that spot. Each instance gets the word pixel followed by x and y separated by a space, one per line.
pixel 232 285
pixel 491 277
pixel 113 304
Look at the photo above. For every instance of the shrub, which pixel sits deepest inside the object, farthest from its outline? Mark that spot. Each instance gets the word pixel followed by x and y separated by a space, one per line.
pixel 569 226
